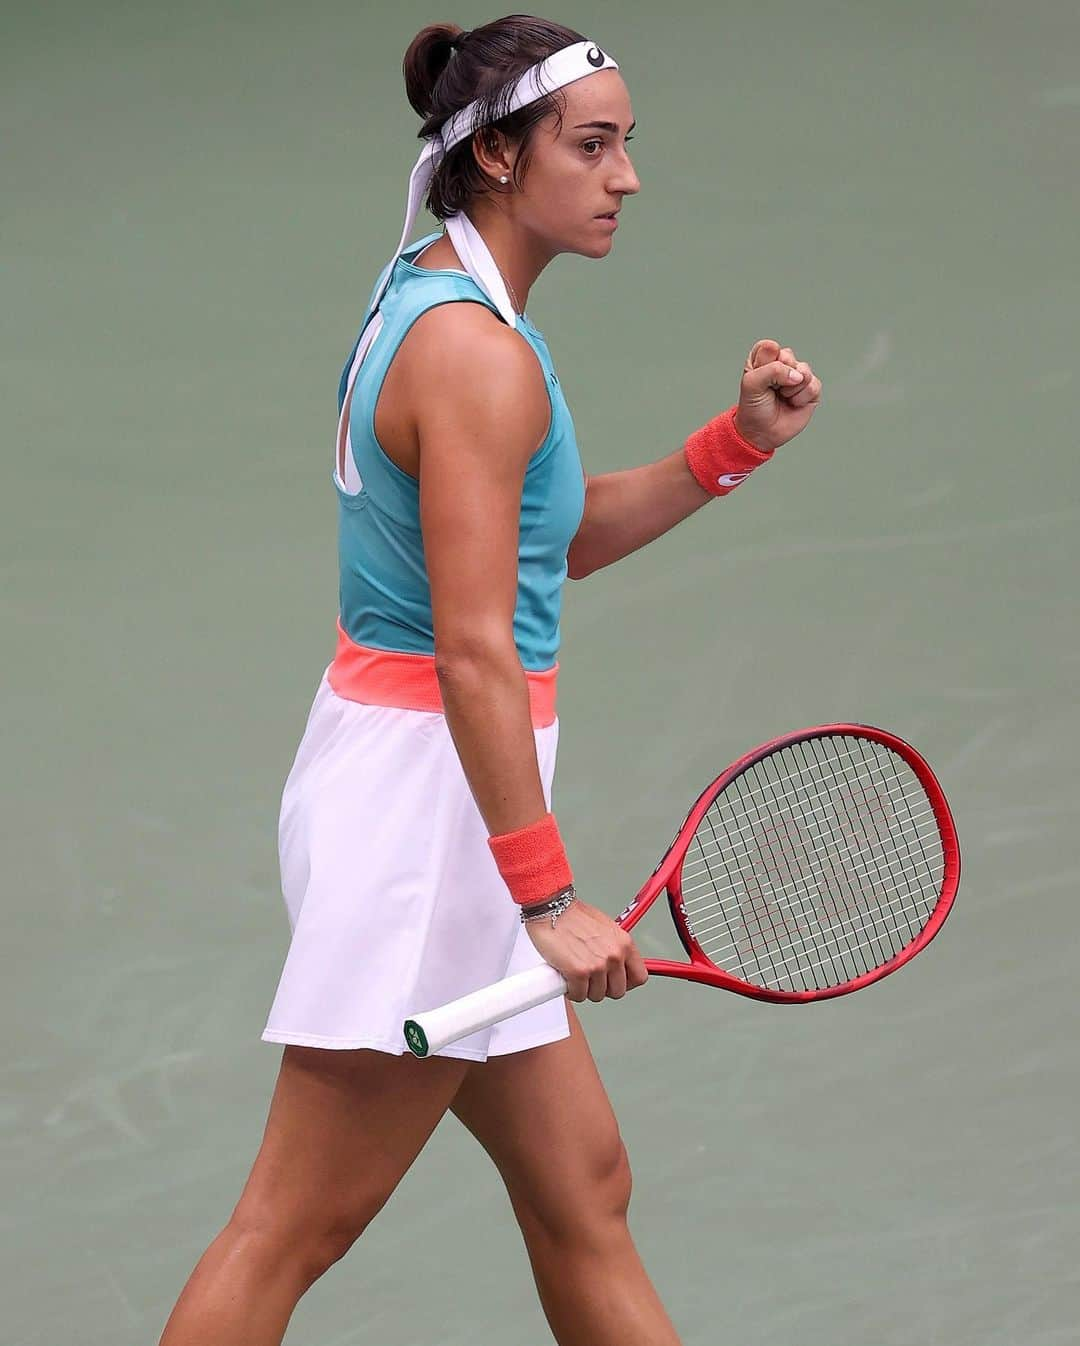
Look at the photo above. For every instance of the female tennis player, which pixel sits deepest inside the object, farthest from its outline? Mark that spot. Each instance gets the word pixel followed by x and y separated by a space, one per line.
pixel 420 857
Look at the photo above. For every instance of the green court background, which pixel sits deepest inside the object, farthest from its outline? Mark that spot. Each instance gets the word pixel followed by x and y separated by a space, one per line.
pixel 195 201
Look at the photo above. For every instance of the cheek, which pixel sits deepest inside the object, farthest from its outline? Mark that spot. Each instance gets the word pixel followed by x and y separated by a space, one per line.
pixel 561 192
pixel 562 187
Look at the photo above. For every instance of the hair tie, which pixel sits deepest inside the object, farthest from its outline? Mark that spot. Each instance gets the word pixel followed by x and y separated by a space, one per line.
pixel 456 42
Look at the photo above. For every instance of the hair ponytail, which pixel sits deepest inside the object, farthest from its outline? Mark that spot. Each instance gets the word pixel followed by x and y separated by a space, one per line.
pixel 428 56
pixel 440 82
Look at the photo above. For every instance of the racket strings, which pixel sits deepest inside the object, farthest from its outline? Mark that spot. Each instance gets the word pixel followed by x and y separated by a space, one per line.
pixel 828 869
pixel 838 841
pixel 848 830
pixel 817 864
pixel 883 934
pixel 846 935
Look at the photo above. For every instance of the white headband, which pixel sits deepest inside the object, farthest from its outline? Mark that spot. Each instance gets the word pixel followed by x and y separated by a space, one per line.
pixel 563 68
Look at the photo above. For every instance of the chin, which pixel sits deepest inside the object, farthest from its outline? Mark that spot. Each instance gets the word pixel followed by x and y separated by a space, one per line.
pixel 595 247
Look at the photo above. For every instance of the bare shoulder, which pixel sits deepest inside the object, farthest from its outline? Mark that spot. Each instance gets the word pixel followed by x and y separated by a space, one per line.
pixel 468 373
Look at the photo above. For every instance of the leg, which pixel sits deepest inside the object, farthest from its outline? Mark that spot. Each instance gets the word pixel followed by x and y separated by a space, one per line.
pixel 544 1117
pixel 343 1128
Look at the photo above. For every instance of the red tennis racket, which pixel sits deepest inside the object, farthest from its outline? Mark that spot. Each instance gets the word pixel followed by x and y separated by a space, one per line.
pixel 815 865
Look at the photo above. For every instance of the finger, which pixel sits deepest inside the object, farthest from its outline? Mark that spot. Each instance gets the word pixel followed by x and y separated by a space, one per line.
pixel 761 353
pixel 774 375
pixel 598 986
pixel 808 391
pixel 795 391
pixel 577 988
pixel 787 357
pixel 637 974
pixel 811 397
pixel 616 981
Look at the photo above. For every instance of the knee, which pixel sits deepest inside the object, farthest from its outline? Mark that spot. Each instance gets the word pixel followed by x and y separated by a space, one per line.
pixel 303 1243
pixel 586 1209
pixel 328 1239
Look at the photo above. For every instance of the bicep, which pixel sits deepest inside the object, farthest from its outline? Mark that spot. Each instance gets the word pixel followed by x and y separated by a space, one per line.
pixel 479 420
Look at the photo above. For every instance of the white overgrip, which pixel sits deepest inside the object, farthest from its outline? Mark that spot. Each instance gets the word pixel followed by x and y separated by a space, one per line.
pixel 432 1030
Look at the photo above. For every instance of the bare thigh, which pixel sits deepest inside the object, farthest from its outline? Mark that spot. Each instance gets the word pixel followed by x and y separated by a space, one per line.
pixel 343 1128
pixel 544 1117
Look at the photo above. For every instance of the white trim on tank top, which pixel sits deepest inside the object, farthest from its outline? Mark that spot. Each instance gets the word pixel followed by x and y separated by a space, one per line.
pixel 346 473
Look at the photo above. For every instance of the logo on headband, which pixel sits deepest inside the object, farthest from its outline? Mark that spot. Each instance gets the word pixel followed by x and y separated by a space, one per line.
pixel 598 59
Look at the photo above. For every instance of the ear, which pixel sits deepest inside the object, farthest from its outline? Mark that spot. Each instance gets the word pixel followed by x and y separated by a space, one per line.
pixel 495 156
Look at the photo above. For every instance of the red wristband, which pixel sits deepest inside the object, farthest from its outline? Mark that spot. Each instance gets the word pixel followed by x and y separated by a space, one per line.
pixel 719 457
pixel 532 861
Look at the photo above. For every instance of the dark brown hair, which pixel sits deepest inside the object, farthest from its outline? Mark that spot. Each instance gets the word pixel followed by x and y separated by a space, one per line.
pixel 447 68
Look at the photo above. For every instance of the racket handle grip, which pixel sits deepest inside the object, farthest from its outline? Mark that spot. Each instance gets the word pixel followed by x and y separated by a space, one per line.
pixel 435 1029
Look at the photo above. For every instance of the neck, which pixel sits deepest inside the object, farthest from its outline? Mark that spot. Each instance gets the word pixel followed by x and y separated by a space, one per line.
pixel 519 256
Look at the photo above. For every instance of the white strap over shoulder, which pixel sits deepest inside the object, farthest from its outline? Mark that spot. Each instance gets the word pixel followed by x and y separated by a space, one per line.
pixel 477 260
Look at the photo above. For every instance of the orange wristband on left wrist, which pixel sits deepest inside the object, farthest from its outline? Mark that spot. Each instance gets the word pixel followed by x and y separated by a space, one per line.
pixel 718 456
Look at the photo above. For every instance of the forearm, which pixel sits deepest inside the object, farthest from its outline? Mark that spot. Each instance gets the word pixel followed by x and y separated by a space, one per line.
pixel 486 703
pixel 625 510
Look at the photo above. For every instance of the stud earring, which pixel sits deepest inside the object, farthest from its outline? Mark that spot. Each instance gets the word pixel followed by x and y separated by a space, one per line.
pixel 504 179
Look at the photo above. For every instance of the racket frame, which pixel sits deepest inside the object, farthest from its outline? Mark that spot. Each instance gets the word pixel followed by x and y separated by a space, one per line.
pixel 668 874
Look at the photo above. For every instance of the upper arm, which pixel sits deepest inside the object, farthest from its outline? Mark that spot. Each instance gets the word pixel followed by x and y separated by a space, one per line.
pixel 482 410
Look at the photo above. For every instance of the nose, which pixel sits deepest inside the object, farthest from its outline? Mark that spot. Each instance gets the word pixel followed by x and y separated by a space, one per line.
pixel 625 181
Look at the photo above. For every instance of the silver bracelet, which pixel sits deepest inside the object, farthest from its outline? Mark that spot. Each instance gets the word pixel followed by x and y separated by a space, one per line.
pixel 554 907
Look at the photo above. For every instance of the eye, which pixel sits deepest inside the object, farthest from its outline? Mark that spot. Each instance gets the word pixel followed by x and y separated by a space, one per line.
pixel 586 145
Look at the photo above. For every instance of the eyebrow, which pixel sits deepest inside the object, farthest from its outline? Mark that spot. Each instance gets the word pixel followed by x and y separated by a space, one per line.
pixel 603 126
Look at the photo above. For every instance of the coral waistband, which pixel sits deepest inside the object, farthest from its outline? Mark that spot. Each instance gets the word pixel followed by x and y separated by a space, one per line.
pixel 408 681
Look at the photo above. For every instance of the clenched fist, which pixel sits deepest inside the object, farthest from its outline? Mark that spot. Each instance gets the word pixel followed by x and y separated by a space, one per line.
pixel 773 405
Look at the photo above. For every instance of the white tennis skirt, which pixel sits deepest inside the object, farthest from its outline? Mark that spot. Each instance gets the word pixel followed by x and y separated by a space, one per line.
pixel 394 899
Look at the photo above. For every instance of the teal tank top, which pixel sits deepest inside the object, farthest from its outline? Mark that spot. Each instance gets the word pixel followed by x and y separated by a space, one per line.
pixel 384 592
